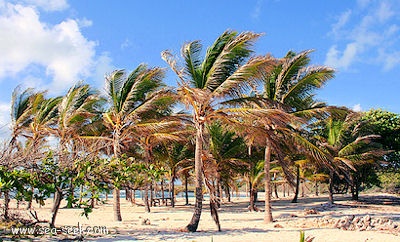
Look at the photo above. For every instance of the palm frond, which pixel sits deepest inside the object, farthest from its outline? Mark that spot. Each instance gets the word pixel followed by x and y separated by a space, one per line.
pixel 240 80
pixel 235 49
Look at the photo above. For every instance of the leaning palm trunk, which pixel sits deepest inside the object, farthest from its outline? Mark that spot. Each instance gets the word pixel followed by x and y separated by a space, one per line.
pixel 267 166
pixel 296 193
pixel 58 195
pixel 198 167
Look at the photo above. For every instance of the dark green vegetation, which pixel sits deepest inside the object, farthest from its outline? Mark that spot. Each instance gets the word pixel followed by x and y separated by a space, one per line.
pixel 248 119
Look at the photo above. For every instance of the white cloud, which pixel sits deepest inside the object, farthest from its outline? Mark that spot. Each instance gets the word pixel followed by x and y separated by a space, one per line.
pixel 61 49
pixel 343 59
pixel 5 121
pixel 342 21
pixel 366 35
pixel 48 5
pixel 257 9
pixel 357 108
pixel 103 66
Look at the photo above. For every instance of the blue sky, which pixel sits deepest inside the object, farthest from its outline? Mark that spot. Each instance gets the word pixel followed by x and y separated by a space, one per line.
pixel 51 44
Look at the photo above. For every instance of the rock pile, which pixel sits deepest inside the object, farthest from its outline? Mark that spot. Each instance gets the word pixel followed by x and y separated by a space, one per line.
pixel 365 223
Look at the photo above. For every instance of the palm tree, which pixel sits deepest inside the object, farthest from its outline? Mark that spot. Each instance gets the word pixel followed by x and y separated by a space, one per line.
pixel 289 87
pixel 228 151
pixel 21 111
pixel 177 159
pixel 132 99
pixel 204 82
pixel 341 138
pixel 73 111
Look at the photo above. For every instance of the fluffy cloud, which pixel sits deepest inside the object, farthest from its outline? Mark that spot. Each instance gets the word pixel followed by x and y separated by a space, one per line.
pixel 48 5
pixel 367 34
pixel 5 121
pixel 343 59
pixel 357 108
pixel 61 49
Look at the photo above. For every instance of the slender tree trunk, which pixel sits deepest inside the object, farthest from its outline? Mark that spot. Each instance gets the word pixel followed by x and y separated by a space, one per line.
pixel 56 205
pixel 133 196
pixel 116 193
pixel 71 195
pixel 218 195
pixel 29 205
pixel 284 189
pixel 198 170
pixel 186 189
pixel 267 167
pixel 117 205
pixel 151 195
pixel 316 188
pixel 6 207
pixel 162 192
pixel 128 196
pixel 146 199
pixel 331 187
pixel 228 194
pixel 296 193
pixel 172 191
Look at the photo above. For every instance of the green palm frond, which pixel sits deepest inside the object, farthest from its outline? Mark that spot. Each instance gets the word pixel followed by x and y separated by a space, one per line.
pixel 239 81
pixel 236 48
pixel 307 80
pixel 114 83
pixel 290 68
pixel 191 54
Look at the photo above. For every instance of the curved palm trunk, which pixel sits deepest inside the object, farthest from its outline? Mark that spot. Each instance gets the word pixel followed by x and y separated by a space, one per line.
pixel 56 205
pixel 296 192
pixel 267 167
pixel 198 170
pixel 186 189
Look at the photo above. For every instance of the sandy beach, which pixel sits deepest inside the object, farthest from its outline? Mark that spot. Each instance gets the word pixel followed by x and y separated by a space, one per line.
pixel 311 214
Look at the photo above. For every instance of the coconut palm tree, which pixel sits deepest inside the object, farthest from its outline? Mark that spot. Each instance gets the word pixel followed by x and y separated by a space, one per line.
pixel 341 138
pixel 290 87
pixel 132 100
pixel 74 110
pixel 223 73
pixel 21 111
pixel 228 151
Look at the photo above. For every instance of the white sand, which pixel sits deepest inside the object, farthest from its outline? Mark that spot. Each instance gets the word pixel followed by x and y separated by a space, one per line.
pixel 237 223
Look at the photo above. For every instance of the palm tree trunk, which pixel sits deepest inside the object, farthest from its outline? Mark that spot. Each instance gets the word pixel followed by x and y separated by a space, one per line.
pixel 172 191
pixel 296 193
pixel 162 192
pixel 198 170
pixel 267 167
pixel 146 198
pixel 117 205
pixel 331 187
pixel 316 188
pixel 228 193
pixel 186 189
pixel 56 205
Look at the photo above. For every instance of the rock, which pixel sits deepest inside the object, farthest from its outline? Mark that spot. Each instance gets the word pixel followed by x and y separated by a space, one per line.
pixel 146 221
